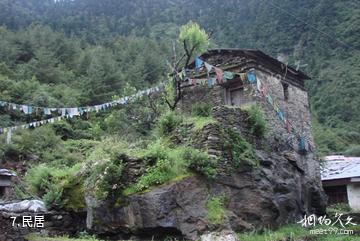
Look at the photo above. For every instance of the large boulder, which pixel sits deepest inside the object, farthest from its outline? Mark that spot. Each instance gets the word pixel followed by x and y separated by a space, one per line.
pixel 265 198
pixel 283 187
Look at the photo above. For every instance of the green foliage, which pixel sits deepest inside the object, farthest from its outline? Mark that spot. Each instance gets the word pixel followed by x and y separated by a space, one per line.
pixel 155 175
pixel 103 177
pixel 62 60
pixel 199 122
pixel 134 120
pixel 50 57
pixel 353 151
pixel 167 123
pixel 200 162
pixel 38 177
pixel 216 209
pixel 20 192
pixel 103 168
pixel 82 237
pixel 338 208
pixel 56 186
pixel 256 120
pixel 194 37
pixel 327 141
pixel 291 232
pixel 241 151
pixel 171 164
pixel 201 110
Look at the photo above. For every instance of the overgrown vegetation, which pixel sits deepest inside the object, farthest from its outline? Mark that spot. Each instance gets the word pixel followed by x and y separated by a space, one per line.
pixel 338 208
pixel 295 233
pixel 201 110
pixel 52 58
pixel 216 209
pixel 241 151
pixel 168 122
pixel 171 163
pixel 58 187
pixel 256 120
pixel 82 237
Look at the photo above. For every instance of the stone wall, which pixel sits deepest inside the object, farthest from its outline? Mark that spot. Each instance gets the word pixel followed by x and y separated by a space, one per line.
pixel 296 109
pixel 192 95
pixel 353 192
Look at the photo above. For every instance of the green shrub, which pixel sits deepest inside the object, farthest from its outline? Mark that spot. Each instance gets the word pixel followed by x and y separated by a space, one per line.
pixel 241 150
pixel 256 120
pixel 169 164
pixel 155 175
pixel 103 178
pixel 199 122
pixel 216 210
pixel 155 151
pixel 339 208
pixel 201 110
pixel 200 162
pixel 53 196
pixel 353 151
pixel 38 178
pixel 168 122
pixel 52 184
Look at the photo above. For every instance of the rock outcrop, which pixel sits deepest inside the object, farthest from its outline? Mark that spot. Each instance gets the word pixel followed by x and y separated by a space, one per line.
pixel 276 191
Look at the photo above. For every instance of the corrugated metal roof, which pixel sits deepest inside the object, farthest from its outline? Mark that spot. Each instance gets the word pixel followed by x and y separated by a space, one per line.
pixel 6 172
pixel 339 167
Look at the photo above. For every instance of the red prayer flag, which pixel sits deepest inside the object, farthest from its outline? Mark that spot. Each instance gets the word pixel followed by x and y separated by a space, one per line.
pixel 219 75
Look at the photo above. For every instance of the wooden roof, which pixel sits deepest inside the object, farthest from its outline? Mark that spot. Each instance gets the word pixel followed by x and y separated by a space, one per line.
pixel 229 58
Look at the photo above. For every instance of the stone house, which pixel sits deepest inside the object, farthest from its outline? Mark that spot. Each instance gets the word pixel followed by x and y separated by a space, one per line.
pixel 341 180
pixel 277 185
pixel 285 84
pixel 5 182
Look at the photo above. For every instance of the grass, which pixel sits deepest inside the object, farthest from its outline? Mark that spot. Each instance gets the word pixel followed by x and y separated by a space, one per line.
pixel 256 120
pixel 133 188
pixel 170 163
pixel 199 121
pixel 36 237
pixel 241 150
pixel 294 233
pixel 291 231
pixel 216 209
pixel 338 208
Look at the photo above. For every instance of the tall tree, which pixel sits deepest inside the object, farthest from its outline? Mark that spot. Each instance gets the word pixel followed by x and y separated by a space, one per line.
pixel 194 41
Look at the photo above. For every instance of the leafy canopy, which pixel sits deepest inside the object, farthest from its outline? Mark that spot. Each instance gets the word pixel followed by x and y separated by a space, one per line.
pixel 193 37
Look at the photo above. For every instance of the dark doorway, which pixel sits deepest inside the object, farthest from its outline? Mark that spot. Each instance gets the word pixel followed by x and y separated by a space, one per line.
pixel 336 194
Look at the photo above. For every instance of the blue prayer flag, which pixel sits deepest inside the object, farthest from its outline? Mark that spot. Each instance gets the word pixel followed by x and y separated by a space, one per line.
pixel 198 63
pixel 251 77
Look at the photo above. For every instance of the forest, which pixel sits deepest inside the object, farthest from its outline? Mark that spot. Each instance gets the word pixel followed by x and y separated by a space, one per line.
pixel 64 53
pixel 84 52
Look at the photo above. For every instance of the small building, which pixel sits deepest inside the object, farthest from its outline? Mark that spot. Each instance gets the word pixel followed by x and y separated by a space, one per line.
pixel 277 88
pixel 341 180
pixel 5 182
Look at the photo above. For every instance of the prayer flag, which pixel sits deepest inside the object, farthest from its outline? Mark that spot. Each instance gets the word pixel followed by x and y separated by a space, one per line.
pixel 219 75
pixel 198 63
pixel 251 77
pixel 228 75
pixel 208 67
